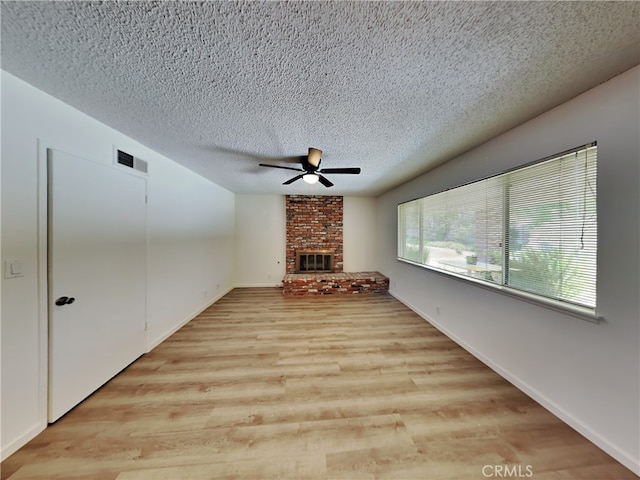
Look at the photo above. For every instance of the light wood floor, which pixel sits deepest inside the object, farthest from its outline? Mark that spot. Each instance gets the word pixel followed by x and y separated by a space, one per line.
pixel 260 386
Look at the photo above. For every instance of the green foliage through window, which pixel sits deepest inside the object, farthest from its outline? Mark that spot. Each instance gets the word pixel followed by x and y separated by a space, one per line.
pixel 532 229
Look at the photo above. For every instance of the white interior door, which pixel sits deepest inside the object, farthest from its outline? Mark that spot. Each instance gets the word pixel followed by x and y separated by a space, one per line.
pixel 97 257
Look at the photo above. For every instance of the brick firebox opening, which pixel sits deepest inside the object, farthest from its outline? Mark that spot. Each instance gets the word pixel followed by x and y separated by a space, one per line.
pixel 308 261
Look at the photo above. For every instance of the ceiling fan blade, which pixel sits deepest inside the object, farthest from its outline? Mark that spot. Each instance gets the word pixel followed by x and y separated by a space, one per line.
pixel 314 157
pixel 295 159
pixel 353 170
pixel 278 166
pixel 291 180
pixel 325 181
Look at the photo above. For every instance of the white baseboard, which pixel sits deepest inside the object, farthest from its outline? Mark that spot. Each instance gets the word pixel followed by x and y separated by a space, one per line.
pixel 21 441
pixel 158 340
pixel 625 458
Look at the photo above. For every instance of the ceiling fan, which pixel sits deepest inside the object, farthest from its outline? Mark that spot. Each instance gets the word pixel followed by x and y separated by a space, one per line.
pixel 311 168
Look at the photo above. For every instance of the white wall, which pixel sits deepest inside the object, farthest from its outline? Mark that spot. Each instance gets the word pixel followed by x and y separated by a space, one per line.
pixel 191 247
pixel 260 240
pixel 261 229
pixel 190 250
pixel 587 374
pixel 359 235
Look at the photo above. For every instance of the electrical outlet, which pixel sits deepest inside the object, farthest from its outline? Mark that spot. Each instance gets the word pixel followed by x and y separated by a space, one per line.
pixel 438 310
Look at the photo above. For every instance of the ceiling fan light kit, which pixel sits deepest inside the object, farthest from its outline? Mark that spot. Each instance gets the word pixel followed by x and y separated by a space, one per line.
pixel 311 169
pixel 310 178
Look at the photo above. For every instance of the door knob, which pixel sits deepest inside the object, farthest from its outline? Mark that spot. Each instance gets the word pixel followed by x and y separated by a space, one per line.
pixel 64 301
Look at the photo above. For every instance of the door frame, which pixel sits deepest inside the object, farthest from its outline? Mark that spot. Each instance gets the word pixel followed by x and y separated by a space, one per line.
pixel 43 280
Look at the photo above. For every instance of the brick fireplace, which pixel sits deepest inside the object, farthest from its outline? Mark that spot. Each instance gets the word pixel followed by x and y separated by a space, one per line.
pixel 314 225
pixel 314 254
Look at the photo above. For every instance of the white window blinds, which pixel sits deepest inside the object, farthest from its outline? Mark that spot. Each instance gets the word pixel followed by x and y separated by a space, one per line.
pixel 552 235
pixel 533 229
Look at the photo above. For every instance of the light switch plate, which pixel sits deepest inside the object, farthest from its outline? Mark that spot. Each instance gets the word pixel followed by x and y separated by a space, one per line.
pixel 13 269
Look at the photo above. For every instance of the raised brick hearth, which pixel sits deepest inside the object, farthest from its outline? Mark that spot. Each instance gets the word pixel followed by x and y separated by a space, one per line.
pixel 334 283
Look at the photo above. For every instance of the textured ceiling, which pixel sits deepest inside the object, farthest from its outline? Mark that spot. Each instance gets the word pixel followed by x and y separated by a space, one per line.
pixel 395 88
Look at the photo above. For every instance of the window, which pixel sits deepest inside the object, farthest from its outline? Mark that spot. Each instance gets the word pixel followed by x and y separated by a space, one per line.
pixel 530 231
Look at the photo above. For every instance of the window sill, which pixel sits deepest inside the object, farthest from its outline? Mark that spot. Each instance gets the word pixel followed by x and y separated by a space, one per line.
pixel 584 313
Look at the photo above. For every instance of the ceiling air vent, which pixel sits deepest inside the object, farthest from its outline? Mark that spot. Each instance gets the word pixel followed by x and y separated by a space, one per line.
pixel 132 162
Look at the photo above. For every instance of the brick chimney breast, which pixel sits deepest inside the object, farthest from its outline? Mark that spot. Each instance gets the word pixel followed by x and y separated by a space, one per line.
pixel 314 222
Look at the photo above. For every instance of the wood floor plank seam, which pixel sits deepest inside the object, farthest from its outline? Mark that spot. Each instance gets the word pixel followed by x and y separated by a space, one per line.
pixel 262 386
